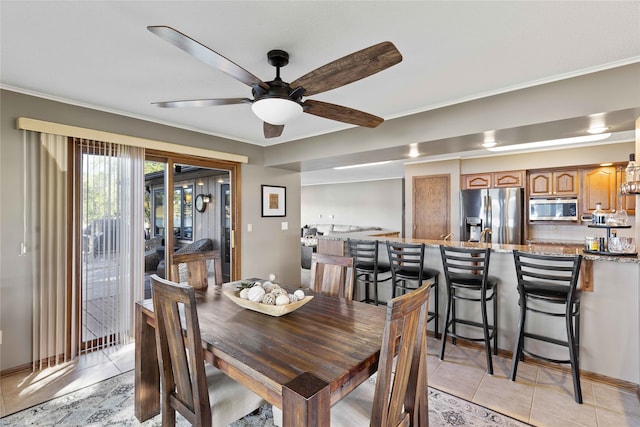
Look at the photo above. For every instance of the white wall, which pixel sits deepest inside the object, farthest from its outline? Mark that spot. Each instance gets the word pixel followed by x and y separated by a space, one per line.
pixel 371 203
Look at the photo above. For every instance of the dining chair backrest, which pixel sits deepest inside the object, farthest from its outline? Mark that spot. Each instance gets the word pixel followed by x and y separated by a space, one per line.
pixel 332 275
pixel 364 253
pixel 465 266
pixel 400 397
pixel 406 260
pixel 182 370
pixel 548 273
pixel 197 271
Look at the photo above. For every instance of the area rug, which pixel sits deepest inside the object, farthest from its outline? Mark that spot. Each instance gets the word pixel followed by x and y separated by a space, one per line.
pixel 110 403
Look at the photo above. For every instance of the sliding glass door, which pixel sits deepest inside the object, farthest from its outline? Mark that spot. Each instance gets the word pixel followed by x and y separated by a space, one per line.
pixel 200 215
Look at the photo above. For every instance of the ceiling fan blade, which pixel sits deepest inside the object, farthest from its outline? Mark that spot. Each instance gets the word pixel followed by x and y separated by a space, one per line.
pixel 349 69
pixel 205 54
pixel 202 102
pixel 272 131
pixel 341 114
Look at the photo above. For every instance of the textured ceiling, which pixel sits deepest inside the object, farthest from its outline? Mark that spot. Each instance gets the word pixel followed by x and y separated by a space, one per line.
pixel 99 54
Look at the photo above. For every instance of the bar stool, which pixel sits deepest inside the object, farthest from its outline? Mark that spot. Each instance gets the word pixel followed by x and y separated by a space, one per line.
pixel 367 266
pixel 466 273
pixel 407 265
pixel 545 282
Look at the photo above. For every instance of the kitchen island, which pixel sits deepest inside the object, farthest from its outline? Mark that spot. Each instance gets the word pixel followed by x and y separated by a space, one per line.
pixel 610 320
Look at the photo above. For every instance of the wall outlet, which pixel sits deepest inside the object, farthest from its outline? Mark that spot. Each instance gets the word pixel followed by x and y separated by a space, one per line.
pixel 0 337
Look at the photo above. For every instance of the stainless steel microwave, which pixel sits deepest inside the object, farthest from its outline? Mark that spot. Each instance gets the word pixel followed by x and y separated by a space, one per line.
pixel 553 209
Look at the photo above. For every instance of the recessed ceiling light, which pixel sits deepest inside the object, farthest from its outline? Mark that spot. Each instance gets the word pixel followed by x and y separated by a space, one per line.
pixel 552 142
pixel 489 139
pixel 597 130
pixel 362 165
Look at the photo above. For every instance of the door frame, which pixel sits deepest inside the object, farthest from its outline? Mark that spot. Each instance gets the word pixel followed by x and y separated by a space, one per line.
pixel 234 169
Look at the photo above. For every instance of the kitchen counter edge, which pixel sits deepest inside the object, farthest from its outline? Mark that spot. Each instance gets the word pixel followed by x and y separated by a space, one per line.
pixel 550 249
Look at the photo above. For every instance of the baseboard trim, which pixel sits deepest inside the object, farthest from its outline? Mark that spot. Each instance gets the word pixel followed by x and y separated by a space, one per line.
pixel 27 367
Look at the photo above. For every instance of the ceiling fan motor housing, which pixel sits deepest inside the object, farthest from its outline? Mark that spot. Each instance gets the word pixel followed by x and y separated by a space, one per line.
pixel 277 102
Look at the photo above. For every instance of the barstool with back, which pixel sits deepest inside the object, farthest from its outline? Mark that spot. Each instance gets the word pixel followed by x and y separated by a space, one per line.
pixel 367 266
pixel 545 281
pixel 466 271
pixel 407 265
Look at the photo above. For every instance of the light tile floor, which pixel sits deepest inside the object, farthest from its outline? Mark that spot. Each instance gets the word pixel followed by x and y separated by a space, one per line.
pixel 541 396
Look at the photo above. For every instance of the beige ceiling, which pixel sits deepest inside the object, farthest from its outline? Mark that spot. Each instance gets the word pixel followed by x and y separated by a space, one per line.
pixel 99 54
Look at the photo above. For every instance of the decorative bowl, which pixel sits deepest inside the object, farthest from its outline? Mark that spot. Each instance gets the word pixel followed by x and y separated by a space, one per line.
pixel 271 310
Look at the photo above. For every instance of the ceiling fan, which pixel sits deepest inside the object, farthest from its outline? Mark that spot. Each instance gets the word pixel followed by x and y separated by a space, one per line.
pixel 277 102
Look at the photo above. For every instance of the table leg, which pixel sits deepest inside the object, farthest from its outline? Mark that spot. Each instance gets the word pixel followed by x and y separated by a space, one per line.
pixel 306 401
pixel 147 373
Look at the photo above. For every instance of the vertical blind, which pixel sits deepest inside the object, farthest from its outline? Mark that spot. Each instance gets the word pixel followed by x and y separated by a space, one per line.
pixel 83 298
pixel 46 234
pixel 110 212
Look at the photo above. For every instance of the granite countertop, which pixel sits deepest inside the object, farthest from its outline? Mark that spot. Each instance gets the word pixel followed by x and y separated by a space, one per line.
pixel 536 248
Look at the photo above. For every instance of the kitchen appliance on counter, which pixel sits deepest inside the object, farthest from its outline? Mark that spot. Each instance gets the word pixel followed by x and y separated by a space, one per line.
pixel 493 215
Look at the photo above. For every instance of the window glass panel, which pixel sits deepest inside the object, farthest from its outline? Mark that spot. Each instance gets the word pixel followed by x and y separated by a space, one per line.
pixel 158 209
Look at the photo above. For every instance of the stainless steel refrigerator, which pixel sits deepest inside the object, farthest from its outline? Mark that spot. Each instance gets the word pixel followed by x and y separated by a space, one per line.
pixel 493 215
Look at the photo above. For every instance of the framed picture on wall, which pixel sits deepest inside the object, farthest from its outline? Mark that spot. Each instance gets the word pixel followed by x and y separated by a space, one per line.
pixel 274 201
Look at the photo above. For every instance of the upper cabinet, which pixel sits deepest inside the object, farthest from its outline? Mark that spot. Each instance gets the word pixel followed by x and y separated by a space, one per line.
pixel 493 180
pixel 601 186
pixel 476 180
pixel 554 183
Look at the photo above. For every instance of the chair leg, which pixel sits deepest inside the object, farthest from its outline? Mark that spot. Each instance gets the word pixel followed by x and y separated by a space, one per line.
pixel 375 288
pixel 495 322
pixel 485 330
pixel 435 306
pixel 517 349
pixel 445 327
pixel 366 287
pixel 573 353
pixel 454 340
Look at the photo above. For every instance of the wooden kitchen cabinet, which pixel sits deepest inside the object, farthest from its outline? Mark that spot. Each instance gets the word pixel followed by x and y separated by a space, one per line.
pixel 554 183
pixel 493 180
pixel 508 179
pixel 476 180
pixel 600 185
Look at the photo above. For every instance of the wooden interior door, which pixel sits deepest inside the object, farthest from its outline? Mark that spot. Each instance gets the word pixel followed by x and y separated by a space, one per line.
pixel 431 206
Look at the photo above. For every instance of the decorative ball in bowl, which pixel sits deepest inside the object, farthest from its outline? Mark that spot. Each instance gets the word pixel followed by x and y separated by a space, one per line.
pixel 267 298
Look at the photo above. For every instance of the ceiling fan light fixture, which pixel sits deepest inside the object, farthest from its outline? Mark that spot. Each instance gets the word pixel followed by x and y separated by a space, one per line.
pixel 276 111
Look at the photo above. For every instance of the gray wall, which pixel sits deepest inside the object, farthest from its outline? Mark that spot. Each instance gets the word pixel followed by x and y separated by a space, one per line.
pixel 15 278
pixel 371 203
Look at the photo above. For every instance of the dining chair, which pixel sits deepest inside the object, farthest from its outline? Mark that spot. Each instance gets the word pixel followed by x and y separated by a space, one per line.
pixel 397 394
pixel 368 267
pixel 548 286
pixel 201 393
pixel 332 275
pixel 193 267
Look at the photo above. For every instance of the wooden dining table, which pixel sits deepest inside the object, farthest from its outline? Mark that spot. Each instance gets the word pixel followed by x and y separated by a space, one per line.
pixel 302 362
